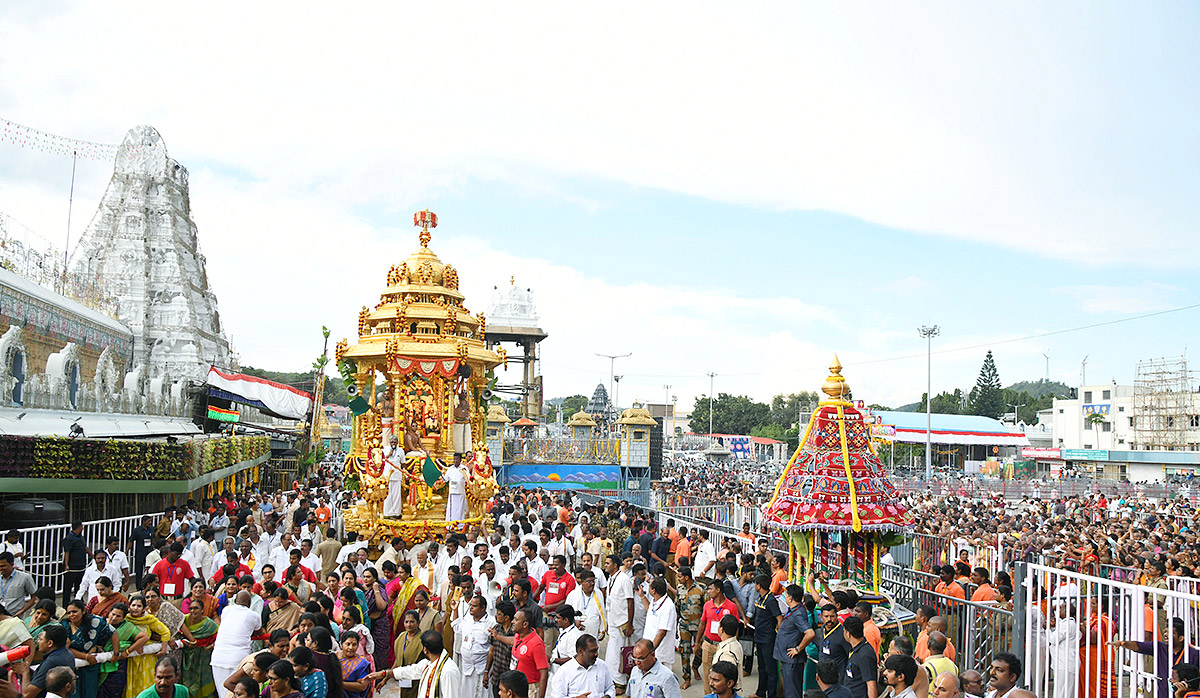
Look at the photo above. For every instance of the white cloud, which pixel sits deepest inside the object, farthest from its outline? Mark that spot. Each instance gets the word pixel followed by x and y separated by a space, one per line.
pixel 1147 296
pixel 1003 125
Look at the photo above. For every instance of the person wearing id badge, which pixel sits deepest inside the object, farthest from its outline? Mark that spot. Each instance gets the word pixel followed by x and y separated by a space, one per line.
pixel 174 575
pixel 474 631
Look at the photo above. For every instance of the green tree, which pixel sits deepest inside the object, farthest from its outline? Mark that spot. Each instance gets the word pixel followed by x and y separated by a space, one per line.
pixel 769 431
pixel 786 409
pixel 551 413
pixel 731 414
pixel 987 397
pixel 573 404
pixel 944 403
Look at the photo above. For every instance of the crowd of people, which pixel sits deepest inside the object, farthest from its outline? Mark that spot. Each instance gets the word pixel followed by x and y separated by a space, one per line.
pixel 261 595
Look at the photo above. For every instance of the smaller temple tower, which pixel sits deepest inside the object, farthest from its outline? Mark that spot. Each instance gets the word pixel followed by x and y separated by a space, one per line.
pixel 635 425
pixel 581 425
pixel 496 419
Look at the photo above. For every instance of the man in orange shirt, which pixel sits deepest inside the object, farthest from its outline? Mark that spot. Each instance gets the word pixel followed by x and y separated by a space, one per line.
pixel 984 591
pixel 870 631
pixel 323 513
pixel 747 535
pixel 779 573
pixel 683 549
pixel 949 587
pixel 936 624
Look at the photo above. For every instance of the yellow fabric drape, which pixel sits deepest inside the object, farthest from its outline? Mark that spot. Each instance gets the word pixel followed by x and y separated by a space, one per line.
pixel 846 463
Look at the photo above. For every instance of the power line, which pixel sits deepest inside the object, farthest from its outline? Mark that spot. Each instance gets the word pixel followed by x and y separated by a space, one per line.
pixel 1040 335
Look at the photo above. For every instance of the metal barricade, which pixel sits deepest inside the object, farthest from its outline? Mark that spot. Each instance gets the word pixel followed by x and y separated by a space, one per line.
pixel 1091 616
pixel 43 545
pixel 978 631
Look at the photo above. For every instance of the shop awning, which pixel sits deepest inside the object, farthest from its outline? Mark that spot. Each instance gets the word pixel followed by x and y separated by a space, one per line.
pixel 960 429
pixel 273 398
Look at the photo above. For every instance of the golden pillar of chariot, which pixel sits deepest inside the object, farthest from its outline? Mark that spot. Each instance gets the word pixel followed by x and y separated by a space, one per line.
pixel 421 365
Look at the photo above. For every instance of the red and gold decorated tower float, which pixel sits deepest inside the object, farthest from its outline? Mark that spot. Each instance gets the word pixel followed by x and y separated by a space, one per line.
pixel 833 504
pixel 422 346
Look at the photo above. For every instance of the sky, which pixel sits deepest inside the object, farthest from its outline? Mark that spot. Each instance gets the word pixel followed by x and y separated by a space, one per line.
pixel 742 189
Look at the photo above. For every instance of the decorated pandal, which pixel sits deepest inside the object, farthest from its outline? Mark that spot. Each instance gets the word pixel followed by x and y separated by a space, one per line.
pixel 428 353
pixel 834 505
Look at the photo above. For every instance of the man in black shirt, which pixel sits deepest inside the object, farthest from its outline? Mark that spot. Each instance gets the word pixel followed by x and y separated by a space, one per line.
pixel 793 637
pixel 831 639
pixel 75 559
pixel 862 666
pixel 52 643
pixel 141 542
pixel 647 541
pixel 766 622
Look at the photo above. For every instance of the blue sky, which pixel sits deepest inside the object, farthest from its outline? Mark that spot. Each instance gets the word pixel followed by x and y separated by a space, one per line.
pixel 738 189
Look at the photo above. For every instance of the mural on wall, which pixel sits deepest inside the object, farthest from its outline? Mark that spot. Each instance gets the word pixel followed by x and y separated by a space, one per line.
pixel 567 476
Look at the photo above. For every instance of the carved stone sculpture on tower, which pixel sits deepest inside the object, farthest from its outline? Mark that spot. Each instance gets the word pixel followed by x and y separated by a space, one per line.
pixel 143 242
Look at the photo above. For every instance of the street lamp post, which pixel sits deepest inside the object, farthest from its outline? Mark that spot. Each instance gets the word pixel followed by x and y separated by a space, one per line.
pixel 711 375
pixel 616 393
pixel 612 360
pixel 928 332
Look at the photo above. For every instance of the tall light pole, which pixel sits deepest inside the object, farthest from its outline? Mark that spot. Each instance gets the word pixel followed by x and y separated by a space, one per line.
pixel 616 391
pixel 928 332
pixel 674 410
pixel 1016 416
pixel 612 360
pixel 711 376
pixel 1047 366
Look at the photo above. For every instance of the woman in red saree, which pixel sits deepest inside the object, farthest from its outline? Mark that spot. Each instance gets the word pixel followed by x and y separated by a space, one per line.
pixel 400 592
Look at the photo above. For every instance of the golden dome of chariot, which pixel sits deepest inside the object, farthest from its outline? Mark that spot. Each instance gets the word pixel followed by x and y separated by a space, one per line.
pixel 637 416
pixel 420 314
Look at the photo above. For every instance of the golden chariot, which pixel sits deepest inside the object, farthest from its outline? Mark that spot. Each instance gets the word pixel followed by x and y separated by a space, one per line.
pixel 417 349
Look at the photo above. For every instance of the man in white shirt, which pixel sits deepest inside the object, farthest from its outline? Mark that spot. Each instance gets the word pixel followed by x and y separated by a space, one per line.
pixel 452 555
pixel 219 523
pixel 706 561
pixel 585 562
pixel 271 535
pixel 564 645
pixel 436 665
pixel 221 558
pixel 100 567
pixel 12 544
pixel 310 559
pixel 203 552
pixel 356 543
pixel 534 564
pixel 238 625
pixel 561 545
pixel 281 556
pixel 583 675
pixel 473 632
pixel 589 607
pixel 424 571
pixel 395 553
pixel 118 560
pixel 662 622
pixel 620 614
pixel 489 585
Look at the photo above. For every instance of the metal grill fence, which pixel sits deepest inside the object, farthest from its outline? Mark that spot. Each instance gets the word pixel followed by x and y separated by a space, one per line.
pixel 43 546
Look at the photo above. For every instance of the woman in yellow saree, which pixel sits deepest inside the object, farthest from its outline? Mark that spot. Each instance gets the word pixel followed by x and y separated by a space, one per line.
pixel 140 670
pixel 197 658
pixel 400 591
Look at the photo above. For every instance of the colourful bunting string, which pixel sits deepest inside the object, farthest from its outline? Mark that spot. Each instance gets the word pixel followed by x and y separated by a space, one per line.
pixel 33 139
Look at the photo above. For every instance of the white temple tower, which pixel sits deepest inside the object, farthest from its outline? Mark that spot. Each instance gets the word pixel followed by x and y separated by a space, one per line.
pixel 142 242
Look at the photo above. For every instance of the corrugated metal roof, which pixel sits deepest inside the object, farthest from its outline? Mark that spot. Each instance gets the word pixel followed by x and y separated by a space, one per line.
pixel 17 421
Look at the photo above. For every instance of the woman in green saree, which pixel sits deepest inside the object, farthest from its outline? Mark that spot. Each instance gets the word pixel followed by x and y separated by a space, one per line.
pixel 128 639
pixel 197 655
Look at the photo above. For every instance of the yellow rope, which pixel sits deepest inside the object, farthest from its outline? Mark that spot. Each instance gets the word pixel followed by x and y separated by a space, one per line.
pixel 791 461
pixel 875 562
pixel 846 463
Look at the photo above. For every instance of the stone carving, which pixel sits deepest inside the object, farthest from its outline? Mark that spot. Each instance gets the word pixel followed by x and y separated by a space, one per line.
pixel 512 307
pixel 142 240
pixel 14 365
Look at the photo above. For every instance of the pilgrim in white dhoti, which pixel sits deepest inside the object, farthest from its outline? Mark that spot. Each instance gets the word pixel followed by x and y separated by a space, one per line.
pixel 393 470
pixel 439 676
pixel 456 492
